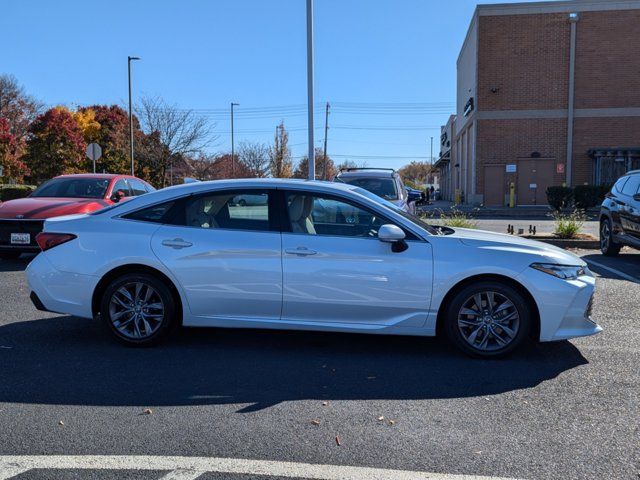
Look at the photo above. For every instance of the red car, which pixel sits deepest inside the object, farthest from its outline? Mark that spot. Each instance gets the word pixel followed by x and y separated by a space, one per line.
pixel 22 219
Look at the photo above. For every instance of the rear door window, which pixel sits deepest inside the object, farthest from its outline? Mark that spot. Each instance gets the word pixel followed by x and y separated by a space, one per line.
pixel 631 187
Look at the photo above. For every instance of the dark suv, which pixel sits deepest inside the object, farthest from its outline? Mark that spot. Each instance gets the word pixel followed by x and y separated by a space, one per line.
pixel 620 215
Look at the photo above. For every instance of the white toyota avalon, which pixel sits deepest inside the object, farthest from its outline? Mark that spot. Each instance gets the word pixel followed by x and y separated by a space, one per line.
pixel 307 256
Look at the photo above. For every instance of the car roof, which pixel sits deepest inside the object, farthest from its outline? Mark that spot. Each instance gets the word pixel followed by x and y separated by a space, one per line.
pixel 99 176
pixel 367 173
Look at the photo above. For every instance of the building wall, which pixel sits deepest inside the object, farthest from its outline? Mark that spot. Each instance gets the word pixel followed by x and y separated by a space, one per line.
pixel 608 60
pixel 526 58
pixel 466 74
pixel 522 87
pixel 601 132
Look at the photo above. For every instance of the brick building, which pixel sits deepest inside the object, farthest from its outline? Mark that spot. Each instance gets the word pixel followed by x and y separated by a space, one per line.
pixel 547 93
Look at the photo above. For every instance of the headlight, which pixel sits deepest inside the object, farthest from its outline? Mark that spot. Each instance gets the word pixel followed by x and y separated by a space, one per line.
pixel 565 272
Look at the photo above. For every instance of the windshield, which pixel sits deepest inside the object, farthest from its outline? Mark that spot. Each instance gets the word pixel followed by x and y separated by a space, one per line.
pixel 412 218
pixel 383 187
pixel 73 188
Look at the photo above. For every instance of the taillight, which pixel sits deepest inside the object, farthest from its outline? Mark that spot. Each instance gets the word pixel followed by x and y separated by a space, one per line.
pixel 48 240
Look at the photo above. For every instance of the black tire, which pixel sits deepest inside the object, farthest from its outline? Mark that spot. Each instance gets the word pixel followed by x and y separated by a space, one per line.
pixel 494 329
pixel 242 202
pixel 607 245
pixel 160 327
pixel 9 255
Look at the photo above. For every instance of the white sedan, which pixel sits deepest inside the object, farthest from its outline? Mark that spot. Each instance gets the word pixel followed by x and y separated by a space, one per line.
pixel 310 256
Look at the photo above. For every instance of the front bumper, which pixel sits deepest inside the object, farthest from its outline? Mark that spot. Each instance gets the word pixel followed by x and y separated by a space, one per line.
pixel 564 305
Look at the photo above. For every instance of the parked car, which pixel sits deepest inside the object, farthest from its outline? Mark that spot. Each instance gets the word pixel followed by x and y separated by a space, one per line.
pixel 620 215
pixel 21 219
pixel 415 195
pixel 384 182
pixel 187 255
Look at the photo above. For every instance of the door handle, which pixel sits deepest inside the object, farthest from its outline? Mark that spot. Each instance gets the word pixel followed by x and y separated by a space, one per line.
pixel 301 251
pixel 176 243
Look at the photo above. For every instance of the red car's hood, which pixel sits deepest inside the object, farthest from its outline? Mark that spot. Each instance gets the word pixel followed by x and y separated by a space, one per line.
pixel 45 207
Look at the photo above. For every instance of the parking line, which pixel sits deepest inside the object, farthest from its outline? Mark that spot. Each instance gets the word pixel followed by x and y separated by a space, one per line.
pixel 613 270
pixel 15 464
pixel 183 475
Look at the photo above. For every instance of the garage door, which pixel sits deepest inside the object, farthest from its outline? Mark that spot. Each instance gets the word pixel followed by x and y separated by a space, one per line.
pixel 534 176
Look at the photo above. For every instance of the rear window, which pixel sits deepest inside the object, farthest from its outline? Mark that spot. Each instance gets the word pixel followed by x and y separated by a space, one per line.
pixel 382 187
pixel 155 214
pixel 632 185
pixel 73 187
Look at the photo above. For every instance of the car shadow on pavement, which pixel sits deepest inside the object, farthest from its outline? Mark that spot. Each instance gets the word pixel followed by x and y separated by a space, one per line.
pixel 628 263
pixel 15 265
pixel 71 361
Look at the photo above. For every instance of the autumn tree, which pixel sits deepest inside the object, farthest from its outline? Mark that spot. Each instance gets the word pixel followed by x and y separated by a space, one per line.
pixel 280 163
pixel 255 157
pixel 18 108
pixel 416 173
pixel 325 168
pixel 108 126
pixel 346 164
pixel 182 132
pixel 13 169
pixel 55 146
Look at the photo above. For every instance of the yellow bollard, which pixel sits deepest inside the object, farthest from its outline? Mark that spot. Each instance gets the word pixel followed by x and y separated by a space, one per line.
pixel 457 197
pixel 512 195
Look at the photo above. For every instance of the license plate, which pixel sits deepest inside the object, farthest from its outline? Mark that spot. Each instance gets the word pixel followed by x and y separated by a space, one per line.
pixel 20 238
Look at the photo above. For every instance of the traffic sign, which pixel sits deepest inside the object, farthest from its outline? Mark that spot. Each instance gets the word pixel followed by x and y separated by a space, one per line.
pixel 94 152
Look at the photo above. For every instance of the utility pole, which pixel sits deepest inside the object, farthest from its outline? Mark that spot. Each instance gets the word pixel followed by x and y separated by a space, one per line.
pixel 233 158
pixel 129 59
pixel 431 162
pixel 312 160
pixel 324 153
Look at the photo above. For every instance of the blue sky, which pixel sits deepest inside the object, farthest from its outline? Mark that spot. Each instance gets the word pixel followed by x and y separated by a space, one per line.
pixel 203 54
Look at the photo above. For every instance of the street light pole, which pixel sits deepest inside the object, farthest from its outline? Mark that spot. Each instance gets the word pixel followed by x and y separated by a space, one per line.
pixel 312 160
pixel 129 59
pixel 233 158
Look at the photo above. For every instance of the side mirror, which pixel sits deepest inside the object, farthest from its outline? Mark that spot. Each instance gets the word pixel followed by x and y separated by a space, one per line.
pixel 636 197
pixel 394 235
pixel 117 196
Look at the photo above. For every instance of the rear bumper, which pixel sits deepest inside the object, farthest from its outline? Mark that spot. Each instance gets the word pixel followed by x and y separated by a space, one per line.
pixel 60 292
pixel 9 226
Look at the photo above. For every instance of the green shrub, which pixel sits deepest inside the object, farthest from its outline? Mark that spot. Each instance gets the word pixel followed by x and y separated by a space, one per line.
pixel 559 197
pixel 568 225
pixel 455 219
pixel 589 196
pixel 11 192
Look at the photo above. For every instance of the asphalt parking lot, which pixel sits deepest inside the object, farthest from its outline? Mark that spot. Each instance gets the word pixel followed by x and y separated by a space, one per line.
pixel 561 410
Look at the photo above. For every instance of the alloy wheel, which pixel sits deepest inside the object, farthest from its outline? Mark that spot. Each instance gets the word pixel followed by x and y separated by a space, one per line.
pixel 488 321
pixel 136 310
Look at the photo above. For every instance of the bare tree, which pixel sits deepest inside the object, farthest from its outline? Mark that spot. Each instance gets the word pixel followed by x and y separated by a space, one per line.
pixel 19 108
pixel 182 132
pixel 255 156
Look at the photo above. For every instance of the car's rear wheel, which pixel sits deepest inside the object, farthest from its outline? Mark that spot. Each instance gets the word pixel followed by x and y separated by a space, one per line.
pixel 607 245
pixel 138 309
pixel 488 319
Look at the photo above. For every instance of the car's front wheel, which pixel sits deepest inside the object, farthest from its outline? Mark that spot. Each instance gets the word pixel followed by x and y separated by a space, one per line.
pixel 488 319
pixel 607 246
pixel 138 308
